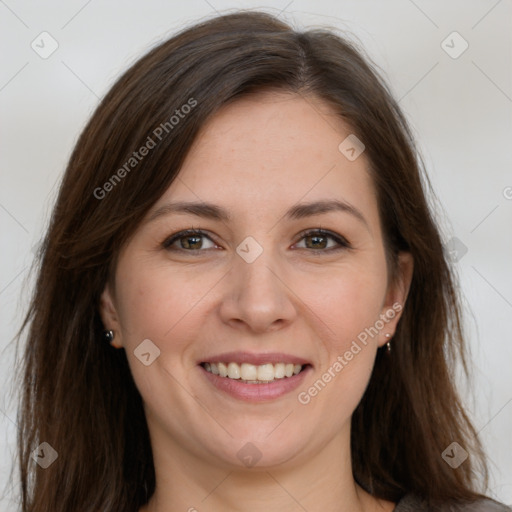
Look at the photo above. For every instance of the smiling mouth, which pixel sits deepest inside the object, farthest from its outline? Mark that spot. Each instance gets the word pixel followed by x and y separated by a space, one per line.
pixel 254 374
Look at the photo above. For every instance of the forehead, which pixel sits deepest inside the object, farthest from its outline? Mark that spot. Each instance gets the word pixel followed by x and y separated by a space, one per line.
pixel 273 148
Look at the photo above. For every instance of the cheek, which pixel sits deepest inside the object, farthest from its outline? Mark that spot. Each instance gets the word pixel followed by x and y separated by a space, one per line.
pixel 153 301
pixel 166 305
pixel 349 302
pixel 350 306
pixel 160 305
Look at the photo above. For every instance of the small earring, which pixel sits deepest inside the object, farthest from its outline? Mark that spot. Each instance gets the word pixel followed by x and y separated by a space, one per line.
pixel 388 344
pixel 108 336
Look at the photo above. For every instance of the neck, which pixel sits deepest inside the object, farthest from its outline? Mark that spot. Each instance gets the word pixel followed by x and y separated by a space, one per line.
pixel 320 481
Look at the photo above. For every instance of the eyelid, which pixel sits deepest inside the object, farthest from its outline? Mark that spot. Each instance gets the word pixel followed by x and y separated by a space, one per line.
pixel 182 234
pixel 322 231
pixel 342 242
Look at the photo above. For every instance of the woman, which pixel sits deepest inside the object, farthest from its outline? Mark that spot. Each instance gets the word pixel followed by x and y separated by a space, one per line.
pixel 243 301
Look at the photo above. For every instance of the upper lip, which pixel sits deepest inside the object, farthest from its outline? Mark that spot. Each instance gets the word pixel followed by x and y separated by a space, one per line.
pixel 255 359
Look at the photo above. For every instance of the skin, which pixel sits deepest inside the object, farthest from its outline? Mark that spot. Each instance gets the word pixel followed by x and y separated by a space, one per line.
pixel 257 157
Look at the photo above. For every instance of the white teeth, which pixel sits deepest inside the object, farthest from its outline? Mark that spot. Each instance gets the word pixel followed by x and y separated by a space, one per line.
pixel 279 371
pixel 253 374
pixel 249 372
pixel 233 371
pixel 223 369
pixel 266 372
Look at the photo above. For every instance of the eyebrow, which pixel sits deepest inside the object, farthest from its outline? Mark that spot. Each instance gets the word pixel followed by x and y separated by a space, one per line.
pixel 299 211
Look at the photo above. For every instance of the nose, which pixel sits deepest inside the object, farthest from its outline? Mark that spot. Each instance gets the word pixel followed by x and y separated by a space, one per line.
pixel 257 296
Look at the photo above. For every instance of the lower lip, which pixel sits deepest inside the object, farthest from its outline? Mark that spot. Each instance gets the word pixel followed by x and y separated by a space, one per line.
pixel 256 392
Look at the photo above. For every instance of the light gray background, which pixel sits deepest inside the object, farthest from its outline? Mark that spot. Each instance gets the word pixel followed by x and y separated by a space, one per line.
pixel 460 110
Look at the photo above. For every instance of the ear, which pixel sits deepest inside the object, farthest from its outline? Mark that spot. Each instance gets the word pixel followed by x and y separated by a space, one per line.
pixel 396 297
pixel 109 316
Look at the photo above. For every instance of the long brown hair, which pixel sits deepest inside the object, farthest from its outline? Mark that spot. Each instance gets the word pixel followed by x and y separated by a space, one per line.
pixel 78 394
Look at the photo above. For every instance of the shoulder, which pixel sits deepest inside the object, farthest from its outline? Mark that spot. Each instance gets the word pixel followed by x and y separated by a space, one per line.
pixel 412 503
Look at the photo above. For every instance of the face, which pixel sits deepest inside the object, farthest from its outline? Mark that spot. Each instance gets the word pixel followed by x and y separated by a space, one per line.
pixel 261 283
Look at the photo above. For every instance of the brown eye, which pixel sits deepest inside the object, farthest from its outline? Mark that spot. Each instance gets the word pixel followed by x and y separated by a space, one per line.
pixel 189 240
pixel 319 239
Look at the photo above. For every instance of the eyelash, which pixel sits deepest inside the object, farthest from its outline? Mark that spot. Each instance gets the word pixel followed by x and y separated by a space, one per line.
pixel 342 242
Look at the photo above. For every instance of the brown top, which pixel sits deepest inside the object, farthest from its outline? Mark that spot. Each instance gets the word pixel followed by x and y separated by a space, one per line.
pixel 411 503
